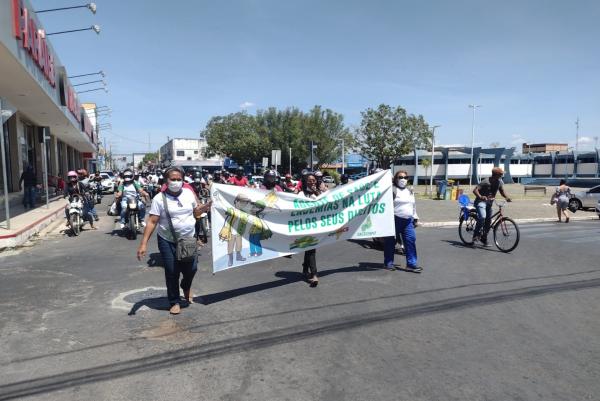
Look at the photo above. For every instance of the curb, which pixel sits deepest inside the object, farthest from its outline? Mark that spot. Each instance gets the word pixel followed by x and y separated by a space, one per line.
pixel 519 221
pixel 21 236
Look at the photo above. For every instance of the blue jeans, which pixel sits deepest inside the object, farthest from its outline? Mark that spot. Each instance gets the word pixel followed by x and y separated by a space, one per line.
pixel 255 246
pixel 141 210
pixel 173 268
pixel 484 219
pixel 406 229
pixel 86 213
pixel 29 196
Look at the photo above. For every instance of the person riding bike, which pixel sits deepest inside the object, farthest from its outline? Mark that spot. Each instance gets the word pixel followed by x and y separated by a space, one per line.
pixel 130 188
pixel 239 179
pixel 485 193
pixel 76 187
pixel 288 185
pixel 270 182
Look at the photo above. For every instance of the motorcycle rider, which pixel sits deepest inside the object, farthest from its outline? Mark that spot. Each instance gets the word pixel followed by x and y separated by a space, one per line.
pixel 344 179
pixel 89 186
pixel 76 187
pixel 270 182
pixel 288 185
pixel 239 179
pixel 130 188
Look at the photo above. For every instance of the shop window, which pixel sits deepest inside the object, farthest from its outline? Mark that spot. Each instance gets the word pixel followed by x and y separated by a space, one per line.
pixel 195 152
pixel 180 153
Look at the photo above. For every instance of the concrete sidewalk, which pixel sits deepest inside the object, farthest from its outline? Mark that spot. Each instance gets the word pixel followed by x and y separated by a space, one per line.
pixel 25 224
pixel 439 213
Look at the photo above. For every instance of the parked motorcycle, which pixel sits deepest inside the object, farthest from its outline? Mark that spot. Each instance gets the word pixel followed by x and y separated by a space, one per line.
pixel 76 220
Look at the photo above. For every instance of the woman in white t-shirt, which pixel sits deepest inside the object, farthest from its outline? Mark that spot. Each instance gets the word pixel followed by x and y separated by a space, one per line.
pixel 184 208
pixel 405 216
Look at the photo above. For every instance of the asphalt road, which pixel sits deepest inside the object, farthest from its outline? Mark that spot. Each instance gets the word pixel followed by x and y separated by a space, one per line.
pixel 78 322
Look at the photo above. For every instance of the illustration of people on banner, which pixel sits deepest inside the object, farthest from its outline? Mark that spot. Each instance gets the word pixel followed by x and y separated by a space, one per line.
pixel 251 225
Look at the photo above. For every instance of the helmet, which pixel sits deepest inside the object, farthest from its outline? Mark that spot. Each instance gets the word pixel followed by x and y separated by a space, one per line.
pixel 239 170
pixel 127 175
pixel 197 174
pixel 318 174
pixel 72 176
pixel 225 173
pixel 288 176
pixel 269 179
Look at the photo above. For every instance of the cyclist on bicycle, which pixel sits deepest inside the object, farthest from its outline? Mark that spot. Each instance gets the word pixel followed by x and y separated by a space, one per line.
pixel 485 193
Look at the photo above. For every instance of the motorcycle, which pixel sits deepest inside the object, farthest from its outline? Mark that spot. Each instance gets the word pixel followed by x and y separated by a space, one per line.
pixel 132 220
pixel 97 193
pixel 202 224
pixel 76 220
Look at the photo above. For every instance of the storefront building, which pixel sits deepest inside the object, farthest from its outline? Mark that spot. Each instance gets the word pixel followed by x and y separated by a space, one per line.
pixel 42 118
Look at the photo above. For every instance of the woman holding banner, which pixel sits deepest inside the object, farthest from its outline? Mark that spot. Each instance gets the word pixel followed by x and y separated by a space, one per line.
pixel 311 191
pixel 174 212
pixel 405 216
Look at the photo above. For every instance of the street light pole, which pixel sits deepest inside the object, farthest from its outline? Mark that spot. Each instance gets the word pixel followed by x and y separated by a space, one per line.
pixel 91 6
pixel 472 106
pixel 95 28
pixel 431 167
pixel 343 157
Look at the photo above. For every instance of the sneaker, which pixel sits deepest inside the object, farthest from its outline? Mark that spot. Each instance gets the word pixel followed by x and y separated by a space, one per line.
pixel 143 224
pixel 415 269
pixel 389 266
pixel 486 244
pixel 122 226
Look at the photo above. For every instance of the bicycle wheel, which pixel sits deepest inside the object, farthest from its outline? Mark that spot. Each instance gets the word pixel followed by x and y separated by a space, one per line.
pixel 506 234
pixel 466 228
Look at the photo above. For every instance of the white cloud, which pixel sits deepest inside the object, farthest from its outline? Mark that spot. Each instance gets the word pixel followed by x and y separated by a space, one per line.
pixel 246 105
pixel 586 140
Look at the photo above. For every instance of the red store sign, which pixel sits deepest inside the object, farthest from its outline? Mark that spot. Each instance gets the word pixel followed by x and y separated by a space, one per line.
pixel 72 103
pixel 33 40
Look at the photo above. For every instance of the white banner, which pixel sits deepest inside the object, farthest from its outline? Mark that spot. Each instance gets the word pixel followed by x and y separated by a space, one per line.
pixel 251 225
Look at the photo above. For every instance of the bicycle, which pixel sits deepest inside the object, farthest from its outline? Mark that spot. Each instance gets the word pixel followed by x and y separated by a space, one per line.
pixel 506 231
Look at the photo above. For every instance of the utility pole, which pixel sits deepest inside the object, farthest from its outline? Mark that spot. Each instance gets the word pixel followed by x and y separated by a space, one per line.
pixel 343 157
pixel 472 106
pixel 431 167
pixel 290 166
pixel 311 154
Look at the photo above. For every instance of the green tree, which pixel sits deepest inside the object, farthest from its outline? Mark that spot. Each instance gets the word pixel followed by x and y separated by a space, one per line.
pixel 150 158
pixel 236 136
pixel 326 129
pixel 387 133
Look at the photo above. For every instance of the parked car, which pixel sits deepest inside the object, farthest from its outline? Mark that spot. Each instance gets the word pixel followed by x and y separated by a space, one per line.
pixel 108 184
pixel 328 179
pixel 585 199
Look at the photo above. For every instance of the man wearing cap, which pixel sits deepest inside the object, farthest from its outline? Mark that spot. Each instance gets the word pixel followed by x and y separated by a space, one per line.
pixel 485 193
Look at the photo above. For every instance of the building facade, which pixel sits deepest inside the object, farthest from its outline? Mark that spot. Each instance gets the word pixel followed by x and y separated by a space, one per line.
pixel 187 152
pixel 544 148
pixel 43 124
pixel 455 163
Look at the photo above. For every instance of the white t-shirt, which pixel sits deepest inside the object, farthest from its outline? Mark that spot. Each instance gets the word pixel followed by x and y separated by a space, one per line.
pixel 404 203
pixel 181 209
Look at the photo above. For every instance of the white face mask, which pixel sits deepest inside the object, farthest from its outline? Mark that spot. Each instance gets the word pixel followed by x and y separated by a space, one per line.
pixel 401 182
pixel 175 186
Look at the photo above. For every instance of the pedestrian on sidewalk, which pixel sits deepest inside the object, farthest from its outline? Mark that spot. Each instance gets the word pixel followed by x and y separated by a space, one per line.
pixel 28 182
pixel 405 217
pixel 174 212
pixel 562 195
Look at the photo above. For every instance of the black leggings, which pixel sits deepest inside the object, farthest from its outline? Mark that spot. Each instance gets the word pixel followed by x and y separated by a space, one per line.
pixel 310 262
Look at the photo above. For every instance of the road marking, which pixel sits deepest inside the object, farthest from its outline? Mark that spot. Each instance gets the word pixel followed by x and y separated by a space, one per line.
pixel 120 303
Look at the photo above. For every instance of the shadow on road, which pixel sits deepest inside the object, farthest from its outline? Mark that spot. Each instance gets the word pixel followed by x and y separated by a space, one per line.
pixel 270 338
pixel 287 277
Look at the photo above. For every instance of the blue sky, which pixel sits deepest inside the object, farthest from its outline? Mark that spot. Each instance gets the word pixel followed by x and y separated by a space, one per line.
pixel 171 65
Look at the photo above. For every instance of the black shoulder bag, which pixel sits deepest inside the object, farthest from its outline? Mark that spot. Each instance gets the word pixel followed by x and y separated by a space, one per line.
pixel 187 248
